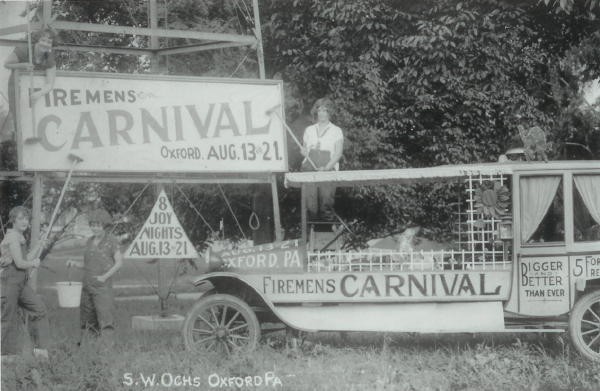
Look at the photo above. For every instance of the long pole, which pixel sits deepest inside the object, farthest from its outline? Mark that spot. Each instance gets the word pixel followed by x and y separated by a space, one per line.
pixel 259 45
pixel 276 212
pixel 36 213
pixel 291 133
pixel 154 43
pixel 31 72
pixel 261 75
pixel 155 68
pixel 60 198
pixel 46 12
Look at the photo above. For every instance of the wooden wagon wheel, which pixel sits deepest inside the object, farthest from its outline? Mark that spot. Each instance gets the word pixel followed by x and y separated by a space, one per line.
pixel 221 323
pixel 584 325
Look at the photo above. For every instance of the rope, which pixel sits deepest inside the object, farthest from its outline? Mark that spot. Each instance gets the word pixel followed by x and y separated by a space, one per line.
pixel 130 206
pixel 239 65
pixel 254 226
pixel 238 18
pixel 245 14
pixel 194 209
pixel 231 210
pixel 248 16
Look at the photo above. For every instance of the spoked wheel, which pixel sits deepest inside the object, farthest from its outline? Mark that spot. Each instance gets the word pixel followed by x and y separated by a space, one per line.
pixel 221 323
pixel 584 325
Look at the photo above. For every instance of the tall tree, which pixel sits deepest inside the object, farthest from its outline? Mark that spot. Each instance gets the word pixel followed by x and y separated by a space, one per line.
pixel 433 82
pixel 416 83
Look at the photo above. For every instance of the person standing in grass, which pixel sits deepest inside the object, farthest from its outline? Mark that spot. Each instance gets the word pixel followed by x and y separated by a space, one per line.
pixel 101 260
pixel 15 264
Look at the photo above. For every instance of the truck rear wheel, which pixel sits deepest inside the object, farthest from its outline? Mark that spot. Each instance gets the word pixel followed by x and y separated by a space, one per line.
pixel 221 323
pixel 584 325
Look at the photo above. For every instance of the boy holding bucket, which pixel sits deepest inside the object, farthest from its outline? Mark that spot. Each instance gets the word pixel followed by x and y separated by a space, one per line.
pixel 101 260
pixel 15 264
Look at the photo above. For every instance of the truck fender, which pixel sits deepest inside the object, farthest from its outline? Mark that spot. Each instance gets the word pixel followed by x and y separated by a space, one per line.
pixel 210 277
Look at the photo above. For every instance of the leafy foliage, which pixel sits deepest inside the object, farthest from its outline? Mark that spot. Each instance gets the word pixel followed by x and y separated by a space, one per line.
pixel 206 15
pixel 568 5
pixel 438 82
pixel 416 84
pixel 130 203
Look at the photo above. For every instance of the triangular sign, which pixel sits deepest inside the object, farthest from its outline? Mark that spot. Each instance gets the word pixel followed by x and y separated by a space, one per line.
pixel 162 236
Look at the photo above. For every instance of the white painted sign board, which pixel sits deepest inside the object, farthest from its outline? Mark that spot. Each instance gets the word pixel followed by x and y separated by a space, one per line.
pixel 544 285
pixel 143 123
pixel 162 236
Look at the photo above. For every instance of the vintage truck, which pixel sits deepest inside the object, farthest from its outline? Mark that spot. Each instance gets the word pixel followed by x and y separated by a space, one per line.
pixel 525 258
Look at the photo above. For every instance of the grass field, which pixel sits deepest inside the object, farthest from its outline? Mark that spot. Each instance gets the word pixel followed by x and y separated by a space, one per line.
pixel 362 361
pixel 326 362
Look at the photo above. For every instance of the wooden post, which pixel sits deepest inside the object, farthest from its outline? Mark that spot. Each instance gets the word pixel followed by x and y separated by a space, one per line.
pixel 259 46
pixel 276 213
pixel 37 190
pixel 46 11
pixel 261 75
pixel 162 295
pixel 161 275
pixel 155 68
pixel 154 43
pixel 303 220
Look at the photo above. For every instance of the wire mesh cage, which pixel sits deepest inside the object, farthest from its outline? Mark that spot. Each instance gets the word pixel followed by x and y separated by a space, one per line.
pixel 477 244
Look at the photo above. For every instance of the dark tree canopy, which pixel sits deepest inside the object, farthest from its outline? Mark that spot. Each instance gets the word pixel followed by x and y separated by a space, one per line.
pixel 415 83
pixel 436 82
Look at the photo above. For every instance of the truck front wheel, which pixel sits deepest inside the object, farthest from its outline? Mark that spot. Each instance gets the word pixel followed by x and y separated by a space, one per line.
pixel 221 323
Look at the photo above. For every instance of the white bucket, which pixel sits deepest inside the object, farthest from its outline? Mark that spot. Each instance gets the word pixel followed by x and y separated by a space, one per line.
pixel 69 294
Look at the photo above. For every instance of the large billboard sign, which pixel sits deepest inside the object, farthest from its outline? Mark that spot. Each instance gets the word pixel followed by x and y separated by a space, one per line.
pixel 130 123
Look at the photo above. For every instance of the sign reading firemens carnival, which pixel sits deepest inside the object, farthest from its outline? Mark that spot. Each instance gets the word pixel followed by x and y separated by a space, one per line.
pixel 153 124
pixel 162 236
pixel 390 287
